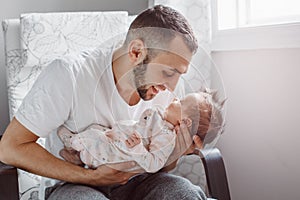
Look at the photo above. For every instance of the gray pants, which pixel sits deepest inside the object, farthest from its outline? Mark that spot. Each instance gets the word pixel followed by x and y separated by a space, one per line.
pixel 162 186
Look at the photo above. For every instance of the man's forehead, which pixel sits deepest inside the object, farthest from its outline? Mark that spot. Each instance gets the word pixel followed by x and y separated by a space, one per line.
pixel 179 48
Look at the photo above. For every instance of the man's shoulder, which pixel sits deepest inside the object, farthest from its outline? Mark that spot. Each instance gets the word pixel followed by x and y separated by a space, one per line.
pixel 99 57
pixel 92 60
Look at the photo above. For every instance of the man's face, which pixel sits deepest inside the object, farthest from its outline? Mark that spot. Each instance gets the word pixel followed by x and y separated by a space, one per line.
pixel 163 71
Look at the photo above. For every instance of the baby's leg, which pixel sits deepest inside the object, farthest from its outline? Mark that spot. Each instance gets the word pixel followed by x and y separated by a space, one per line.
pixel 65 135
pixel 93 145
pixel 71 156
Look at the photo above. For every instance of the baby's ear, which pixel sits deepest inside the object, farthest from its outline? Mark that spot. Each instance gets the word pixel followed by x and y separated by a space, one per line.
pixel 188 122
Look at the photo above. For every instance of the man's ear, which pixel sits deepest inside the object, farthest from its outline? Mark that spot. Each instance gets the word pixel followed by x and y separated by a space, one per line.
pixel 137 51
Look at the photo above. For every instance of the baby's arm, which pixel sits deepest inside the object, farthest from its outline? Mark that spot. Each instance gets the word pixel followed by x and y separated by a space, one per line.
pixel 161 142
pixel 160 148
pixel 133 140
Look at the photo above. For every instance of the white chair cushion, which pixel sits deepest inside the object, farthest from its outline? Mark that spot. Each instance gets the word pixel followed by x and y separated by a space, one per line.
pixel 28 183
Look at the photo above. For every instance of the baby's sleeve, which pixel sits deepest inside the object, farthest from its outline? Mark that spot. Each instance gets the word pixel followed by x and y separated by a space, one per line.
pixel 162 143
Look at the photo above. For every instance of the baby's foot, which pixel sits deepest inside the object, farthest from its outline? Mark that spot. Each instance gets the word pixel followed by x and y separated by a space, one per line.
pixel 65 136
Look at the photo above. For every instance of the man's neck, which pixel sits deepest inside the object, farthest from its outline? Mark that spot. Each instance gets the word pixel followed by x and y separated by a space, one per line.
pixel 123 77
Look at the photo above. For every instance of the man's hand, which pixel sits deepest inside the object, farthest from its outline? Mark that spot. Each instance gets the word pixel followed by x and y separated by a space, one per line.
pixel 198 144
pixel 105 174
pixel 183 143
pixel 113 174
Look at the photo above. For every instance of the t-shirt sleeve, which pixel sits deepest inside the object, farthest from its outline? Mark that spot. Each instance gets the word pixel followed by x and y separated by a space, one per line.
pixel 47 105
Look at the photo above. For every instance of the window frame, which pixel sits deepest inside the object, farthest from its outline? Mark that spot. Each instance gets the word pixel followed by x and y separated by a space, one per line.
pixel 285 35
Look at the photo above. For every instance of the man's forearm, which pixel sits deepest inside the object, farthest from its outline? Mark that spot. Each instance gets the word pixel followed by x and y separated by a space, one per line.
pixel 18 148
pixel 35 159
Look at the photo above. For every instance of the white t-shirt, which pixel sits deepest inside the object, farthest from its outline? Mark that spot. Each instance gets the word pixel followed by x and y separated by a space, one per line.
pixel 77 93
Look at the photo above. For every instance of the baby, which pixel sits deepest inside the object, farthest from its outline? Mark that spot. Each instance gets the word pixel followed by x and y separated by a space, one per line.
pixel 151 140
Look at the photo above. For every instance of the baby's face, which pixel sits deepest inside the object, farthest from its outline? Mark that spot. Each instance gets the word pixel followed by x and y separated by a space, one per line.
pixel 178 109
pixel 173 112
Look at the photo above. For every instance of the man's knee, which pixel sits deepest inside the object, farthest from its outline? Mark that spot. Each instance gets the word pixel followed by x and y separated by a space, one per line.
pixel 180 187
pixel 168 186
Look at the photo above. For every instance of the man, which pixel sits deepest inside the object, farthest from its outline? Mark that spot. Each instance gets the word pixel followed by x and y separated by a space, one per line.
pixel 102 87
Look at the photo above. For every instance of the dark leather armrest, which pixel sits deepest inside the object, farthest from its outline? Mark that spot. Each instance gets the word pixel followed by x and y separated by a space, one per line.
pixel 9 189
pixel 215 174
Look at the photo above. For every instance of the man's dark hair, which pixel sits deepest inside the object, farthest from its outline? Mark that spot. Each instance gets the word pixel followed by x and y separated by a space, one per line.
pixel 158 25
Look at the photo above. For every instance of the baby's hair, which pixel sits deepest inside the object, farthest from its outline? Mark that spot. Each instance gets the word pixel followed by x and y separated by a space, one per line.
pixel 207 117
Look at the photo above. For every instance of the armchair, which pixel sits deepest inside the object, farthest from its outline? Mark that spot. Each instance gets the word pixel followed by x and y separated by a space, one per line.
pixel 217 185
pixel 26 40
pixel 8 182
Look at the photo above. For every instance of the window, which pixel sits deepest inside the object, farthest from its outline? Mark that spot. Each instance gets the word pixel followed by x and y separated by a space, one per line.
pixel 245 13
pixel 260 23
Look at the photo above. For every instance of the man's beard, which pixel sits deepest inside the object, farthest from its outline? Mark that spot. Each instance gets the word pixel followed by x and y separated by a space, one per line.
pixel 139 79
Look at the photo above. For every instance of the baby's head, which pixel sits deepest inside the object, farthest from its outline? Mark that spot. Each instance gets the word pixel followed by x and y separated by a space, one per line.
pixel 199 110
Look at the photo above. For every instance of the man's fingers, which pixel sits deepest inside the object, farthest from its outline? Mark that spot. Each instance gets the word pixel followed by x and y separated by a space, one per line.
pixel 198 142
pixel 185 133
pixel 125 166
pixel 184 136
pixel 183 141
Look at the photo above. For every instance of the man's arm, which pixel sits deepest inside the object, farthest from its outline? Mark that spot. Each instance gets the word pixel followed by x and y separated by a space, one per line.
pixel 18 147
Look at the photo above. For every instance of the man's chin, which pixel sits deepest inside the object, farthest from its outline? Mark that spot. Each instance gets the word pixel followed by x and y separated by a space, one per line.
pixel 144 94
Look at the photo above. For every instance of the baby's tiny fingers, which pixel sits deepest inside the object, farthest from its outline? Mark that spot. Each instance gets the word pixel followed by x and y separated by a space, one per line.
pixel 136 139
pixel 128 144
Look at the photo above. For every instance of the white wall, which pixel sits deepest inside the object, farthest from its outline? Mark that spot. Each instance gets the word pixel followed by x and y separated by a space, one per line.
pixel 13 8
pixel 261 142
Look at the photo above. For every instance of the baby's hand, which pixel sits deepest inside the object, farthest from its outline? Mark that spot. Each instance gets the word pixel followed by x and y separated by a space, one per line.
pixel 133 140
